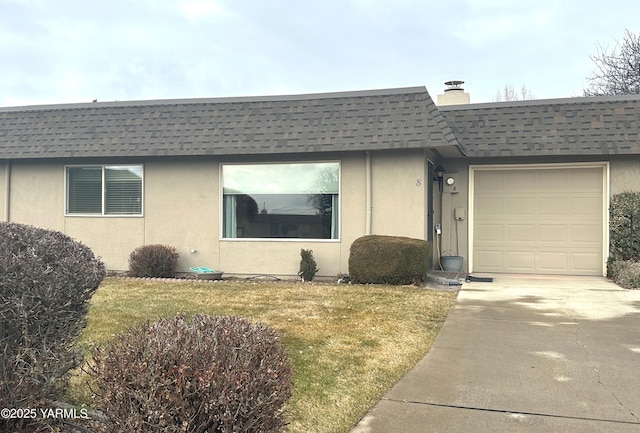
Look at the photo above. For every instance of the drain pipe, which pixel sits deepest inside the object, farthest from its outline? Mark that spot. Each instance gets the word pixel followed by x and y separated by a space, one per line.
pixel 7 192
pixel 368 194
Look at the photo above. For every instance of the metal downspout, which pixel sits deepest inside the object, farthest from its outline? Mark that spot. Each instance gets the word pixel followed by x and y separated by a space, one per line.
pixel 7 192
pixel 368 194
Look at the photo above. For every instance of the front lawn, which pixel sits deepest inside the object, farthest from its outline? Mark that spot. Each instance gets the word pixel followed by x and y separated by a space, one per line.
pixel 348 344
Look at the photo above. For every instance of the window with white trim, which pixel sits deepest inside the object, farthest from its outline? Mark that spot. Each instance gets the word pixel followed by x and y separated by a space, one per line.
pixel 281 200
pixel 104 190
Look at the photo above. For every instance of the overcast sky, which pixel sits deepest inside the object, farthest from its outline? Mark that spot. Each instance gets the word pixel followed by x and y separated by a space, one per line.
pixel 60 51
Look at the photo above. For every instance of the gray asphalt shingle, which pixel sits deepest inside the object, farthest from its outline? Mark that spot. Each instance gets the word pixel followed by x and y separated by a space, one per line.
pixel 573 126
pixel 367 120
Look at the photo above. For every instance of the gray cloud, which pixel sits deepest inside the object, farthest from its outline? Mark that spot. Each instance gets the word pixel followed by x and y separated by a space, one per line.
pixel 78 50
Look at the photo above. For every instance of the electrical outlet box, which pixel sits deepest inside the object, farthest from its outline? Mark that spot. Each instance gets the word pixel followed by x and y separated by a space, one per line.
pixel 438 229
pixel 459 213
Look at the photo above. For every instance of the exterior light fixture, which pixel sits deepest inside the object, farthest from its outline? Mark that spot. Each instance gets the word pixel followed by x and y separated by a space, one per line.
pixel 439 175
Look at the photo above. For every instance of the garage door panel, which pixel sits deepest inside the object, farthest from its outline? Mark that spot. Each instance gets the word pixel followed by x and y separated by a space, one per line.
pixel 586 179
pixel 585 207
pixel 518 180
pixel 490 260
pixel 547 220
pixel 522 206
pixel 584 263
pixel 552 206
pixel 492 181
pixel 521 233
pixel 488 233
pixel 553 261
pixel 550 180
pixel 489 206
pixel 588 235
pixel 521 261
pixel 553 233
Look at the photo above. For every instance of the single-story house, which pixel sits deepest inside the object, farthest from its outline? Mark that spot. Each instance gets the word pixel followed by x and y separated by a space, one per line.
pixel 242 184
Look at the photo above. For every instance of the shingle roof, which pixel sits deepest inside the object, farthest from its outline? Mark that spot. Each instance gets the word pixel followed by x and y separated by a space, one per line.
pixel 366 120
pixel 574 126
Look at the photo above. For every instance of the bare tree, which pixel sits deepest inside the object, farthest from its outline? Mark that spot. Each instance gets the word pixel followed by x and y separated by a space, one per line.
pixel 617 71
pixel 509 93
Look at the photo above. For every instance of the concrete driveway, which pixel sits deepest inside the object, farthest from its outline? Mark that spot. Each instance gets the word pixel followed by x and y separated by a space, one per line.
pixel 525 354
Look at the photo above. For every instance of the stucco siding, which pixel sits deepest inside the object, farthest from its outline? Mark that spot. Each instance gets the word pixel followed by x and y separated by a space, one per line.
pixel 625 174
pixel 37 194
pixel 277 257
pixel 398 184
pixel 111 238
pixel 182 209
pixel 391 173
pixel 454 239
pixel 353 206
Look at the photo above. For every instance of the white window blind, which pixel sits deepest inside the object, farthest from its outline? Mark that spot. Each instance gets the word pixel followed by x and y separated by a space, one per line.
pixel 123 190
pixel 84 192
pixel 104 190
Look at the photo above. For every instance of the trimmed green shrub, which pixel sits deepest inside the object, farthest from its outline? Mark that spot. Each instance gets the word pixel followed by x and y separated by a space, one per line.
pixel 625 273
pixel 624 226
pixel 308 265
pixel 206 373
pixel 156 261
pixel 389 260
pixel 46 282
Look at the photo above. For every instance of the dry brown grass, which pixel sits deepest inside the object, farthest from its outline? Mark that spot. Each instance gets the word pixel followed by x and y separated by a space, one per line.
pixel 348 344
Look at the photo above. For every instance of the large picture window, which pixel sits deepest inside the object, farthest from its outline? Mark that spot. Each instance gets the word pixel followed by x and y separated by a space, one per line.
pixel 284 200
pixel 104 190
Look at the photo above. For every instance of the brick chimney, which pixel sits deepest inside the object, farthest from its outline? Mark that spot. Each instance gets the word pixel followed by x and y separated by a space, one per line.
pixel 454 94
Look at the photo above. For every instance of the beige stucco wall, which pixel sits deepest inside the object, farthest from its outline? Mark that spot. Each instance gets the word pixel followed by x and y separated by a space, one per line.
pixel 624 174
pixel 37 194
pixel 398 181
pixel 398 208
pixel 182 208
pixel 111 238
pixel 454 238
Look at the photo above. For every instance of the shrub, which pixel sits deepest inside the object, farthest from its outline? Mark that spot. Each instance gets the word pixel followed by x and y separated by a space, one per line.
pixel 389 260
pixel 625 273
pixel 157 261
pixel 215 374
pixel 613 267
pixel 624 225
pixel 46 282
pixel 308 265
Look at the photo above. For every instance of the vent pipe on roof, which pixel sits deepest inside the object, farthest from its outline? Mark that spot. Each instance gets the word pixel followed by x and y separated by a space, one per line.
pixel 454 94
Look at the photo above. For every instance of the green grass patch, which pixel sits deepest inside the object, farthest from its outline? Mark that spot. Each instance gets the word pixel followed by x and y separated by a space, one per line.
pixel 348 344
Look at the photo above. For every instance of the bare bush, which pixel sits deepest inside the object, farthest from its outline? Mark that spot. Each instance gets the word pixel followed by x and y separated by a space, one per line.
pixel 46 282
pixel 158 261
pixel 214 374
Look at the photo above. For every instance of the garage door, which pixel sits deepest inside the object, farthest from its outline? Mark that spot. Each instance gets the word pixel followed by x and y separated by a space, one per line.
pixel 538 220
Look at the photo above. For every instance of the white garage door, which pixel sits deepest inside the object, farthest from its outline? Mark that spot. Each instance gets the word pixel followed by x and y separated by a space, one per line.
pixel 539 220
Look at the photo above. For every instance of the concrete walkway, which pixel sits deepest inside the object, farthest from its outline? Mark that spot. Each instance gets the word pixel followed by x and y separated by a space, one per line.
pixel 525 354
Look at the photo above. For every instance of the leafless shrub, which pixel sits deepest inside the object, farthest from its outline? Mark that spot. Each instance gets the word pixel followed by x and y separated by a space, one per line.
pixel 213 374
pixel 46 282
